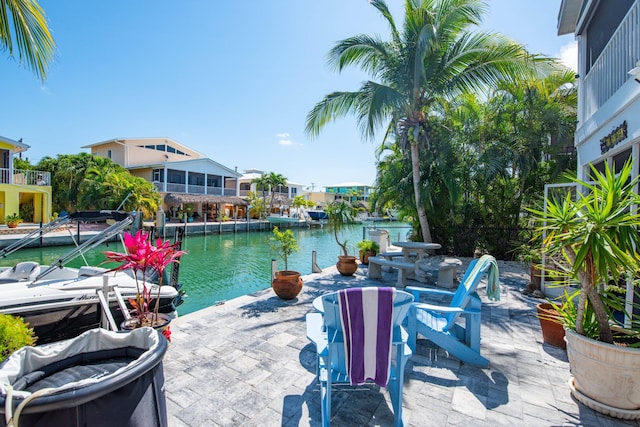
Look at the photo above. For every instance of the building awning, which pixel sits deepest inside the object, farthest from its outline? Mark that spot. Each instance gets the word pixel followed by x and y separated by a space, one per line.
pixel 177 198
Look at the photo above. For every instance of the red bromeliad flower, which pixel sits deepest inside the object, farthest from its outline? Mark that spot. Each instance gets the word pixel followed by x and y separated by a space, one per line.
pixel 140 256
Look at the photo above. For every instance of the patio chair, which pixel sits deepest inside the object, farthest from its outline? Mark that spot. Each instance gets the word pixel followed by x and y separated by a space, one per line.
pixel 439 324
pixel 360 339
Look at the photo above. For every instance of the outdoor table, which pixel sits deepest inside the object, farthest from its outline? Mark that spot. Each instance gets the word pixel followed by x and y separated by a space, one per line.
pixel 418 247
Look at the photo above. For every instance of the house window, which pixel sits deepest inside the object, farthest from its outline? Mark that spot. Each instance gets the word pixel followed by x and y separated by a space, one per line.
pixel 214 181
pixel 245 186
pixel 108 154
pixel 158 175
pixel 175 176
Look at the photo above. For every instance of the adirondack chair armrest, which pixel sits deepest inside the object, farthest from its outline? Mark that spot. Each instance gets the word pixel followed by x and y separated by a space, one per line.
pixel 417 291
pixel 315 333
pixel 438 308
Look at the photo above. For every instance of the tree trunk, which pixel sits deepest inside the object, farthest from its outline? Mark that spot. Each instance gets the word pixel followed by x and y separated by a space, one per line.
pixel 422 213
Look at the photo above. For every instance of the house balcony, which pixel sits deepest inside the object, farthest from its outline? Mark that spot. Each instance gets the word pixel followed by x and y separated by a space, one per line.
pixel 24 177
pixel 193 189
pixel 610 71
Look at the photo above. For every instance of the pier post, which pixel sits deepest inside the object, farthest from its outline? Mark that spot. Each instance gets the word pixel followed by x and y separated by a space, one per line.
pixel 315 268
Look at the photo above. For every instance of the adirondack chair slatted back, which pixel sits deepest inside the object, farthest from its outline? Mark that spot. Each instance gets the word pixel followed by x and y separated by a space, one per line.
pixel 335 336
pixel 468 285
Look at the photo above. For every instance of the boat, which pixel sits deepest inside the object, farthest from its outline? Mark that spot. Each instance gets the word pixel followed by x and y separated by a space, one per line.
pixel 61 302
pixel 317 215
pixel 296 216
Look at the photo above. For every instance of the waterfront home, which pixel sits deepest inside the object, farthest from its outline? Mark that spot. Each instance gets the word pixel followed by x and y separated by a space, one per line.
pixel 189 182
pixel 608 36
pixel 608 128
pixel 351 191
pixel 23 192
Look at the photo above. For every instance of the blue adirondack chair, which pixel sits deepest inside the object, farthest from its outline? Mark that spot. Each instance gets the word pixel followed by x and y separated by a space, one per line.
pixel 439 324
pixel 326 332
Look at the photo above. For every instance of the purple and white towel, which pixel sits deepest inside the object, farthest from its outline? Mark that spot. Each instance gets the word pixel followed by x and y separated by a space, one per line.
pixel 366 315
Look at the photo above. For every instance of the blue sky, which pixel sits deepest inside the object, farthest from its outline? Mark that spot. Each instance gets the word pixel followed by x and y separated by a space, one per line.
pixel 233 80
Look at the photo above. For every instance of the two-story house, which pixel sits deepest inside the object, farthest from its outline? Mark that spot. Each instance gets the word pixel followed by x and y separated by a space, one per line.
pixel 282 194
pixel 351 191
pixel 608 36
pixel 187 180
pixel 23 192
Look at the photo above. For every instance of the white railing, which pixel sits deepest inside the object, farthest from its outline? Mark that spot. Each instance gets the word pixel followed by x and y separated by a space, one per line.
pixel 24 177
pixel 196 189
pixel 214 191
pixel 610 71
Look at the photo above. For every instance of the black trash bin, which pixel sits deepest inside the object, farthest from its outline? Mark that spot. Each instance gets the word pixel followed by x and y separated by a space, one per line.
pixel 100 378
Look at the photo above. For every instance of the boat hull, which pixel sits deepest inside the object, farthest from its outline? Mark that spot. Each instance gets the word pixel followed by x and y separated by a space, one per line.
pixel 317 215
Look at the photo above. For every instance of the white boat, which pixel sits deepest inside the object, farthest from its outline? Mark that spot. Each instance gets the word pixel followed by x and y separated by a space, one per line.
pixel 297 216
pixel 61 302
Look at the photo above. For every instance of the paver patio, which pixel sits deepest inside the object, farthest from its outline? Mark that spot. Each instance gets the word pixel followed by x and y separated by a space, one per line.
pixel 248 362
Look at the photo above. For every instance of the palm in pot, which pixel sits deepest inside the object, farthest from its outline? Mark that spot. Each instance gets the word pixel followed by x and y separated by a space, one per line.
pixel 595 233
pixel 340 214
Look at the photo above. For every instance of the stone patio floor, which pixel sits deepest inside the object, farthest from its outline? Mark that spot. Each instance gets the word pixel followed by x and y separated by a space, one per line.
pixel 248 363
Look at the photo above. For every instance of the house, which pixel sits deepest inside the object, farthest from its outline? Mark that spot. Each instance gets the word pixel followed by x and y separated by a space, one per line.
pixel 608 36
pixel 282 194
pixel 351 191
pixel 189 183
pixel 23 192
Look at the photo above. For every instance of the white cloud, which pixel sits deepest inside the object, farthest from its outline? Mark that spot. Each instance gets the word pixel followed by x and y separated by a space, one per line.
pixel 284 139
pixel 569 55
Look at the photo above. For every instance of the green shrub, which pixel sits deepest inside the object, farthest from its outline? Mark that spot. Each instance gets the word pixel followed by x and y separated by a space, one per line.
pixel 14 334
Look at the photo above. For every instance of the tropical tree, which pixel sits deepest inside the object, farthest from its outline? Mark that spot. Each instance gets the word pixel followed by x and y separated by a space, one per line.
pixel 434 57
pixel 262 184
pixel 274 180
pixel 26 20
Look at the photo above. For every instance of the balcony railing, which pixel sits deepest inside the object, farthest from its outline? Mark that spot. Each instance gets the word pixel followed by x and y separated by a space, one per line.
pixel 194 189
pixel 610 71
pixel 24 177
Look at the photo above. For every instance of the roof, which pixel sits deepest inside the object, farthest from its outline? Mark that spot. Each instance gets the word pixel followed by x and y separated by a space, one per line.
pixel 348 184
pixel 568 16
pixel 177 198
pixel 17 145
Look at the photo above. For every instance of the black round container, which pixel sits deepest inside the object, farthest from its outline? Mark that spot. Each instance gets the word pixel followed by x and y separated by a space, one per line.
pixel 100 378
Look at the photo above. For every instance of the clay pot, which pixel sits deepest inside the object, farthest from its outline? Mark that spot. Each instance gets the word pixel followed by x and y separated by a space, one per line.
pixel 347 265
pixel 364 256
pixel 287 284
pixel 552 331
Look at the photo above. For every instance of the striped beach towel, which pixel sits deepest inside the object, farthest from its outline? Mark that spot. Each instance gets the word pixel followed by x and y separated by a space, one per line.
pixel 366 315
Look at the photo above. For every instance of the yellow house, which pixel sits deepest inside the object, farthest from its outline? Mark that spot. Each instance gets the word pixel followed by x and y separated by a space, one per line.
pixel 23 192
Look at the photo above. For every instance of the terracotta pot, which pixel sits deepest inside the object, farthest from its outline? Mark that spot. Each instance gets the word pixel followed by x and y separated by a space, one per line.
pixel 605 376
pixel 364 256
pixel 12 224
pixel 347 265
pixel 552 332
pixel 287 284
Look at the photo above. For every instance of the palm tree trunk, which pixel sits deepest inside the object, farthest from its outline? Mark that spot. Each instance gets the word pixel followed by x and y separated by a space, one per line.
pixel 422 213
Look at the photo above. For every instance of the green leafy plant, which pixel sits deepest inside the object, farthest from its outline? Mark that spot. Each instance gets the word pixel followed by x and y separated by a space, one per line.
pixel 340 214
pixel 597 235
pixel 13 218
pixel 368 246
pixel 284 244
pixel 14 334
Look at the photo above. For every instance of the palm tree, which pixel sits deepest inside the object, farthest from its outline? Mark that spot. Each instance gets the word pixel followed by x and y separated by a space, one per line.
pixel 274 180
pixel 435 57
pixel 262 184
pixel 35 45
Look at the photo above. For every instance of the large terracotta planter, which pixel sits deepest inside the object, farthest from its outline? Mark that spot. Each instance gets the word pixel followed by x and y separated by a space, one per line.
pixel 287 284
pixel 552 331
pixel 605 376
pixel 347 265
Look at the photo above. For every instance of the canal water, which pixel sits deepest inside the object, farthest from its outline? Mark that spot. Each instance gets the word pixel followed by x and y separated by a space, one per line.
pixel 219 267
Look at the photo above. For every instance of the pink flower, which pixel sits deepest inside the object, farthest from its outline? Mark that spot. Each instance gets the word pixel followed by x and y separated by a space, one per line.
pixel 142 255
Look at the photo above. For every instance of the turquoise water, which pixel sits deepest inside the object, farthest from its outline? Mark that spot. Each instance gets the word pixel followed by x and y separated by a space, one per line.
pixel 219 267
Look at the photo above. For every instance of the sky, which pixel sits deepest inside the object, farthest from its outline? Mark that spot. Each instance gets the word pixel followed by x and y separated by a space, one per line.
pixel 233 80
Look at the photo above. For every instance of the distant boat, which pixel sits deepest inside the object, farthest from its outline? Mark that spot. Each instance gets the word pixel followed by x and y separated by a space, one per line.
pixel 282 219
pixel 317 215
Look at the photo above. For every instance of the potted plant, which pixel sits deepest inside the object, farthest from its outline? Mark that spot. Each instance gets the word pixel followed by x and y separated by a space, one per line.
pixel 287 284
pixel 597 233
pixel 341 213
pixel 13 220
pixel 141 256
pixel 367 248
